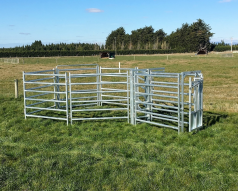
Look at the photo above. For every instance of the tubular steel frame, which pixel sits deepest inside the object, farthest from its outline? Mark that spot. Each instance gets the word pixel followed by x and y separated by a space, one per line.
pixel 172 100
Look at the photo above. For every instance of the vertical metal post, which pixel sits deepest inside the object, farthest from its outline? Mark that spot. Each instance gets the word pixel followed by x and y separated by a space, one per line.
pixel 179 107
pixel 182 102
pixel 54 81
pixel 136 81
pixel 16 88
pixel 135 89
pixel 128 95
pixel 132 108
pixel 147 90
pixel 100 88
pixel 197 104
pixel 66 89
pixel 70 97
pixel 195 107
pixel 190 104
pixel 57 88
pixel 201 99
pixel 24 92
pixel 150 96
pixel 98 84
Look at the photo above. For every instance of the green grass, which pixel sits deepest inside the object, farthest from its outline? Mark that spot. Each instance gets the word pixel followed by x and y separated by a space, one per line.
pixel 38 154
pixel 41 154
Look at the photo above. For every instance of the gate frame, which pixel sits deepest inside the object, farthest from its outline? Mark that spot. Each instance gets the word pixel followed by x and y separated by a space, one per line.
pixel 195 117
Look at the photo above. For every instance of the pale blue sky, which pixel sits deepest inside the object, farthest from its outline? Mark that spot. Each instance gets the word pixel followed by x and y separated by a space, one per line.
pixel 91 21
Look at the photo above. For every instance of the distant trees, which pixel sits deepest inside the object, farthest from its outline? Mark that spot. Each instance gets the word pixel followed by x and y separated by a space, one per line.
pixel 190 37
pixel 143 38
pixel 187 38
pixel 37 45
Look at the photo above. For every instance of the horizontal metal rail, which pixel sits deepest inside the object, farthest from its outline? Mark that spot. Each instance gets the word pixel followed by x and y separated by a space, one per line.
pixel 108 109
pixel 36 103
pixel 47 100
pixel 124 104
pixel 159 124
pixel 123 91
pixel 100 83
pixel 155 85
pixel 150 94
pixel 44 83
pixel 64 110
pixel 90 97
pixel 88 101
pixel 46 71
pixel 77 69
pixel 46 117
pixel 36 74
pixel 154 104
pixel 76 65
pixel 33 80
pixel 157 114
pixel 37 95
pixel 40 87
pixel 99 118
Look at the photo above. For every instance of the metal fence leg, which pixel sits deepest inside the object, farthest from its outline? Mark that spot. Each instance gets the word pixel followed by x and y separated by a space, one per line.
pixel 54 81
pixel 100 88
pixel 66 89
pixel 190 105
pixel 128 108
pixel 57 89
pixel 24 93
pixel 132 105
pixel 179 107
pixel 98 84
pixel 182 102
pixel 70 98
pixel 201 100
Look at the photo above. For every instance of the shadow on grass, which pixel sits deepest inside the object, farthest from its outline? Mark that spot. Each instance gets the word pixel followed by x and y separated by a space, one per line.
pixel 211 118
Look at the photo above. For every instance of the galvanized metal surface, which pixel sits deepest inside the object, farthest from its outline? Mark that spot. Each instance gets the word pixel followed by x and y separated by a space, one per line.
pixel 151 96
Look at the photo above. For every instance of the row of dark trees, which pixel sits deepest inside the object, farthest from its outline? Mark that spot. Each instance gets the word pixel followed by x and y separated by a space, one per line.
pixel 38 46
pixel 188 38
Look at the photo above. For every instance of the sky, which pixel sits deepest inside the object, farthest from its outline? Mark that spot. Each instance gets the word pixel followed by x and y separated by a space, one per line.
pixel 91 21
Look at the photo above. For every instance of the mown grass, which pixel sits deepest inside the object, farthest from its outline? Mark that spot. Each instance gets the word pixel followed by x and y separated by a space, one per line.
pixel 40 154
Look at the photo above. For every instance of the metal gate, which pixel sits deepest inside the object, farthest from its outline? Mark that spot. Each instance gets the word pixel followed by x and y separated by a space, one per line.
pixel 165 99
pixel 45 96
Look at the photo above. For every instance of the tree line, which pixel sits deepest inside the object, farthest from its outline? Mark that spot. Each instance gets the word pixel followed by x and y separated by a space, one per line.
pixel 187 38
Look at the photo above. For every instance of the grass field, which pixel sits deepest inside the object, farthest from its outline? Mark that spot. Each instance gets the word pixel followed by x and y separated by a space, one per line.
pixel 39 154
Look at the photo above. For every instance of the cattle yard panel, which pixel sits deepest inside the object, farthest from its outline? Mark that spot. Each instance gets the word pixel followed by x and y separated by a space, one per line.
pixel 103 95
pixel 40 95
pixel 165 99
pixel 91 92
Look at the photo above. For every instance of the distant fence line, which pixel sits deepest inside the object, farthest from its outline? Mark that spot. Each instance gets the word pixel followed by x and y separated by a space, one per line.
pixel 11 60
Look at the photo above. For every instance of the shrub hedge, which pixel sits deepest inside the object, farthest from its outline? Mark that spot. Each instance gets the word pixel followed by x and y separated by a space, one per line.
pixel 51 53
pixel 83 53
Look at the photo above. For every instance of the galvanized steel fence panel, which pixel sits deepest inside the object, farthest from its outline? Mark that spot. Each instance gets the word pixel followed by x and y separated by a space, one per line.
pixel 40 95
pixel 165 99
pixel 151 96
